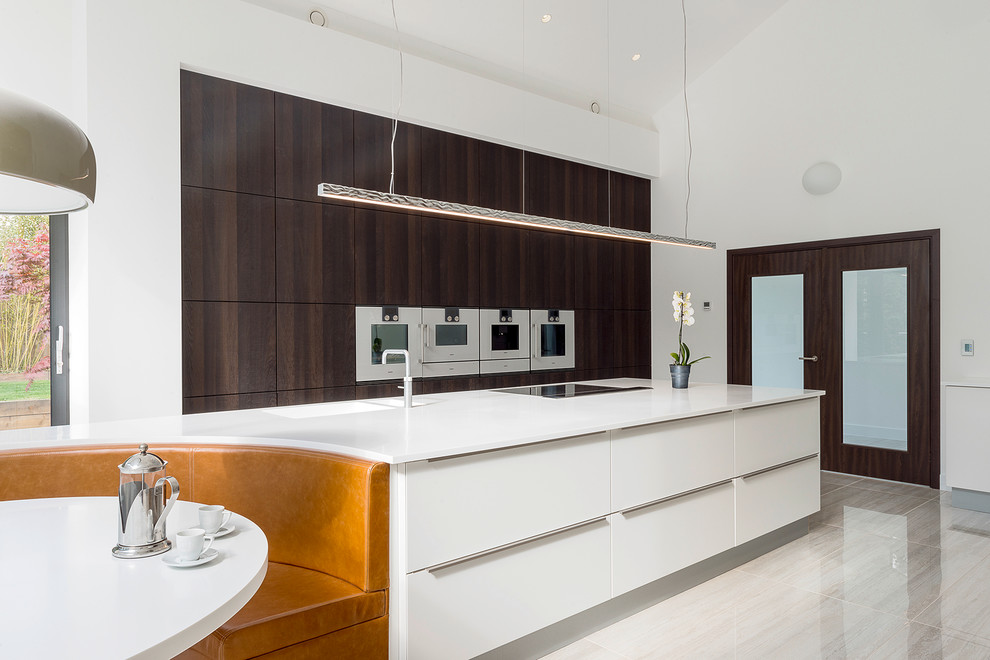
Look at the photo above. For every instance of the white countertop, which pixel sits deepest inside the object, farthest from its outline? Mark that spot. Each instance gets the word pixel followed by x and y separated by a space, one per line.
pixel 438 425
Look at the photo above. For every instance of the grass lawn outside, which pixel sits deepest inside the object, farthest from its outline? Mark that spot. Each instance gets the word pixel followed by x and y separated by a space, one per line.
pixel 13 390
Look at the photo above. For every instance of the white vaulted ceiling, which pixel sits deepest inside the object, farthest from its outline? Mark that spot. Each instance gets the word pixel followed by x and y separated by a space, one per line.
pixel 583 54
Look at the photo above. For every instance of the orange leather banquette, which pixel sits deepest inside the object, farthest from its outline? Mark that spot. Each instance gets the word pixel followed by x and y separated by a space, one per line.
pixel 326 518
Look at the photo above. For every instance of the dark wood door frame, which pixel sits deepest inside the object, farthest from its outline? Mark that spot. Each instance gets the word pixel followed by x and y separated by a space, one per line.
pixel 739 367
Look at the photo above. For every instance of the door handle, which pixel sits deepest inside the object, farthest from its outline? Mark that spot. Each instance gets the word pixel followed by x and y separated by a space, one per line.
pixel 813 358
pixel 59 352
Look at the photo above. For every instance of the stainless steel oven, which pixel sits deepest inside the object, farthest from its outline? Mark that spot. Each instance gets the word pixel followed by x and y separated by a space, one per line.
pixel 381 328
pixel 450 341
pixel 553 339
pixel 504 340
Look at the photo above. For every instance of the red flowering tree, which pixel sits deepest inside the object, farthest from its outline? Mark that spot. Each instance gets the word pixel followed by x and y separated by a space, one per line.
pixel 25 299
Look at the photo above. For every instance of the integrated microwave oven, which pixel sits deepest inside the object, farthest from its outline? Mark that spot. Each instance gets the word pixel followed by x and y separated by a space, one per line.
pixel 450 341
pixel 552 340
pixel 504 340
pixel 381 328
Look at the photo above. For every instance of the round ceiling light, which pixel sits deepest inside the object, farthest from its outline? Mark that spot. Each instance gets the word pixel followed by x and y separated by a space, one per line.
pixel 317 17
pixel 545 18
pixel 822 178
pixel 635 58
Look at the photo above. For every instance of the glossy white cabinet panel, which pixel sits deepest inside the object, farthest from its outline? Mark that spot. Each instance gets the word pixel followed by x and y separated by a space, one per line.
pixel 659 460
pixel 653 541
pixel 967 437
pixel 464 505
pixel 472 607
pixel 777 497
pixel 771 435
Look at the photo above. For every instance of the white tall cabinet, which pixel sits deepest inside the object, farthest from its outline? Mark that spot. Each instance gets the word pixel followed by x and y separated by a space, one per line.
pixel 967 443
pixel 491 546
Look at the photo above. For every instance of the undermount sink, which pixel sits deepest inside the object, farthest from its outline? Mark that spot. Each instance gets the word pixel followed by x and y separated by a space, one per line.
pixel 326 410
pixel 344 408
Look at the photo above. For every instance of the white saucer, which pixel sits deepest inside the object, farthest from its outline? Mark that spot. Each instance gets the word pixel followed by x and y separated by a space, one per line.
pixel 173 560
pixel 223 531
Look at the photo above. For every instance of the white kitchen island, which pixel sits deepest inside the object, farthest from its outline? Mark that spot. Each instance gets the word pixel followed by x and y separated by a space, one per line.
pixel 520 522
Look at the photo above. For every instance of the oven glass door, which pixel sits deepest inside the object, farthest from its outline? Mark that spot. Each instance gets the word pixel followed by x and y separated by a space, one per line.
pixel 504 339
pixel 450 335
pixel 553 339
pixel 374 335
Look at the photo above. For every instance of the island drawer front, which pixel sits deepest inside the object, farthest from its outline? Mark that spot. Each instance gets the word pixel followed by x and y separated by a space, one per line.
pixel 654 541
pixel 769 500
pixel 472 607
pixel 461 506
pixel 771 435
pixel 658 460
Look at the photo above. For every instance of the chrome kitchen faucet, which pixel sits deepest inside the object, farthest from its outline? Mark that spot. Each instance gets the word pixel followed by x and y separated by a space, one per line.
pixel 407 380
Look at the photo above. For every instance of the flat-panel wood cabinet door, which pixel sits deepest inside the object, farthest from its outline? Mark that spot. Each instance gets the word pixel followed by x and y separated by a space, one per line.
pixel 373 155
pixel 227 135
pixel 451 271
pixel 551 270
pixel 450 167
pixel 504 257
pixel 629 202
pixel 563 189
pixel 314 144
pixel 387 258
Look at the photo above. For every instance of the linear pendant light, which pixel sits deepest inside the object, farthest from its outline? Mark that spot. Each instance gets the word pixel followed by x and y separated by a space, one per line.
pixel 464 211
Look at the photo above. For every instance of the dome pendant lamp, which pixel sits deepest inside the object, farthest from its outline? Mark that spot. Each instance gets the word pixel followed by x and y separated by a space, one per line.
pixel 47 164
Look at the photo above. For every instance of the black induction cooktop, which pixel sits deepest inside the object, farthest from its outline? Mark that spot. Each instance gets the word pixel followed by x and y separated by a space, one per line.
pixel 568 390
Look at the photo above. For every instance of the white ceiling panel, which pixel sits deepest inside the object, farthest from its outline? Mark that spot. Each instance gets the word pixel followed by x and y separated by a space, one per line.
pixel 583 53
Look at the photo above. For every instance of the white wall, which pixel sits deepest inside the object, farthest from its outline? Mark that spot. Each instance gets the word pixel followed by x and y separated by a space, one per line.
pixel 113 66
pixel 895 92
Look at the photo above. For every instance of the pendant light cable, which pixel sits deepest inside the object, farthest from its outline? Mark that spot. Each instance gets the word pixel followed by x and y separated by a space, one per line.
pixel 395 117
pixel 687 120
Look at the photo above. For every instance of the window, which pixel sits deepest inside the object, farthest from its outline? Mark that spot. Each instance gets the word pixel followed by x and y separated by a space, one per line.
pixel 33 314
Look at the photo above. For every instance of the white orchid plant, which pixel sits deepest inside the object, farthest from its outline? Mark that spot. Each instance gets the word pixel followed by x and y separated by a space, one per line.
pixel 684 315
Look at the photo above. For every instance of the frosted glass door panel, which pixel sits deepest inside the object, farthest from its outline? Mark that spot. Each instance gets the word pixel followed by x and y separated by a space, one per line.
pixel 778 331
pixel 874 358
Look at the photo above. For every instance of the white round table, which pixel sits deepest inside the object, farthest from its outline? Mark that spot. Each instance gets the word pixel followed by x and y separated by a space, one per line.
pixel 62 594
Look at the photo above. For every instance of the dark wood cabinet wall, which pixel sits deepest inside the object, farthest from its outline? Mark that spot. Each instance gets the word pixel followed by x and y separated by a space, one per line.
pixel 271 272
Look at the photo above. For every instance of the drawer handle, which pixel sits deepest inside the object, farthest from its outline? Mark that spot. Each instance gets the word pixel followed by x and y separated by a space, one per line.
pixel 514 544
pixel 774 467
pixel 674 497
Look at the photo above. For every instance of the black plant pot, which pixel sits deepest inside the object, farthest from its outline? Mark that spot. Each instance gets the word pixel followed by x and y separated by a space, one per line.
pixel 679 375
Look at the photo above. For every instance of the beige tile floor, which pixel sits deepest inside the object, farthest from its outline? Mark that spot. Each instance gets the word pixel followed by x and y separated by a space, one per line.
pixel 887 571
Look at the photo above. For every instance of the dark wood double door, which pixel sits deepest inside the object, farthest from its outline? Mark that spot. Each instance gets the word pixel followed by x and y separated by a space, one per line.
pixel 857 318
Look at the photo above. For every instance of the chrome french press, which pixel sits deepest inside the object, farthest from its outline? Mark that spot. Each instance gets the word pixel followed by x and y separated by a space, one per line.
pixel 143 509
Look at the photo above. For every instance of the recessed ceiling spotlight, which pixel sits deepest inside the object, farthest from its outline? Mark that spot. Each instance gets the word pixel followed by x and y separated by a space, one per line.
pixel 545 18
pixel 317 17
pixel 635 58
pixel 595 108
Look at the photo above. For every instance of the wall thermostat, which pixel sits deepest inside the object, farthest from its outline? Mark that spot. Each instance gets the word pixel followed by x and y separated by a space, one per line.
pixel 967 347
pixel 707 306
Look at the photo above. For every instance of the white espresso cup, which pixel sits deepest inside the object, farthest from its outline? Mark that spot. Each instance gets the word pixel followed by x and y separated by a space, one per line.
pixel 190 544
pixel 212 517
